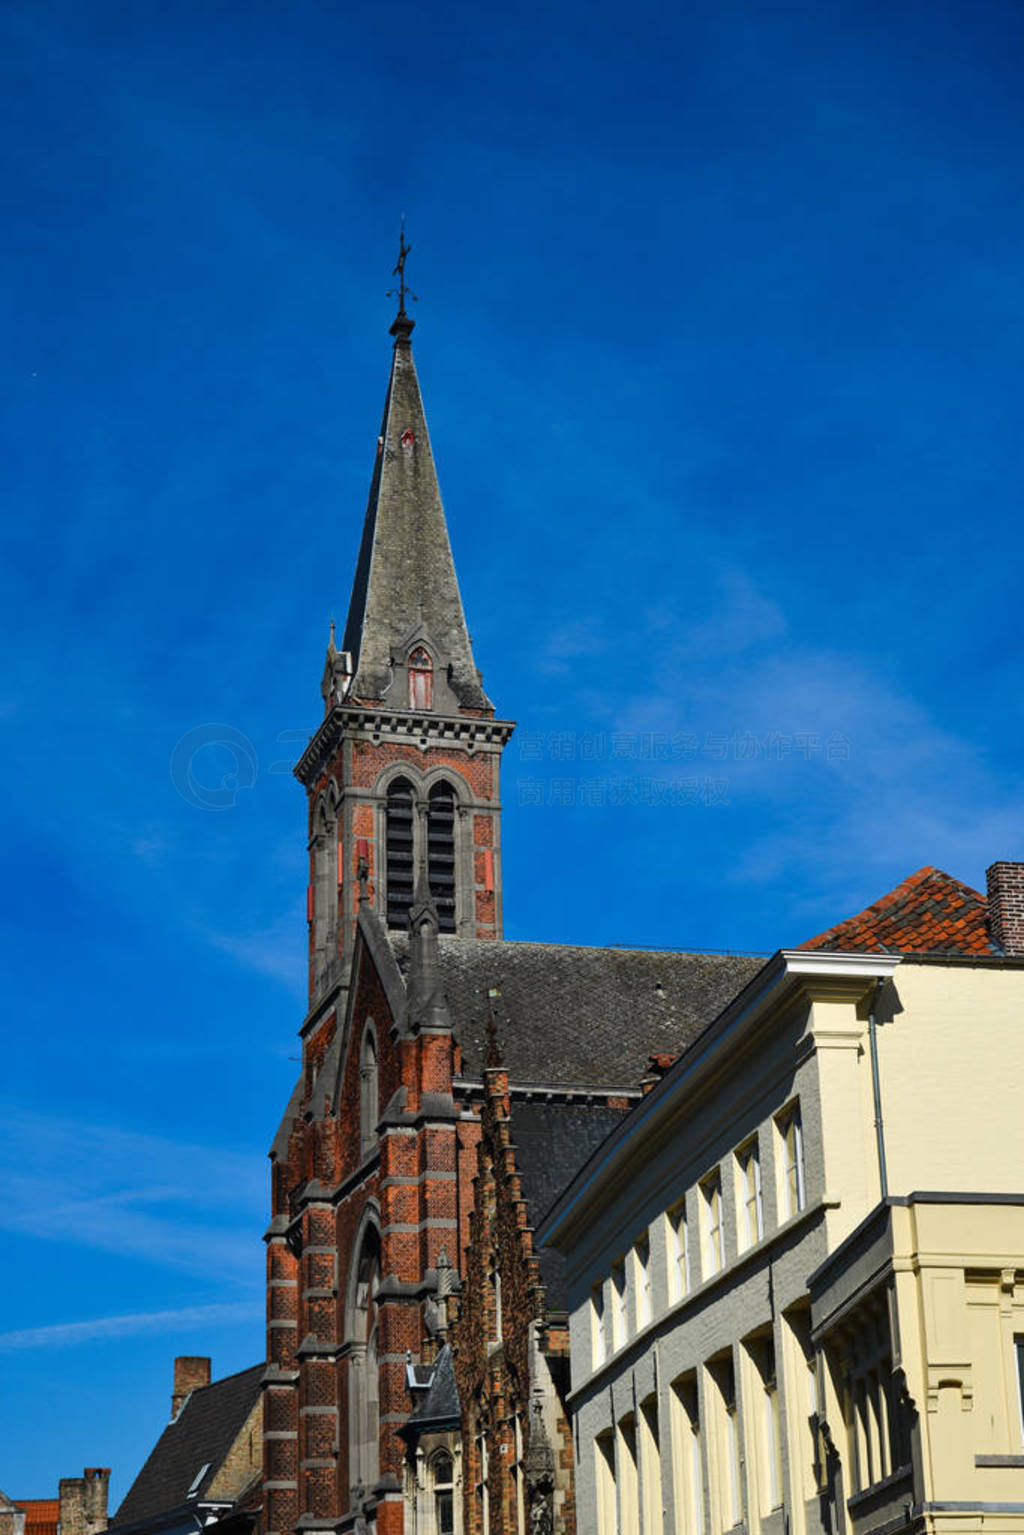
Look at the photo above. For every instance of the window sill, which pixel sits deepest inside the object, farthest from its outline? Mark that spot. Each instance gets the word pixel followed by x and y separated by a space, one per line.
pixel 878 1489
pixel 990 1461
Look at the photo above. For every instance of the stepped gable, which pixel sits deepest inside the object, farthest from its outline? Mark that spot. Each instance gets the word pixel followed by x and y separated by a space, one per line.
pixel 552 1141
pixel 201 1435
pixel 929 913
pixel 575 1016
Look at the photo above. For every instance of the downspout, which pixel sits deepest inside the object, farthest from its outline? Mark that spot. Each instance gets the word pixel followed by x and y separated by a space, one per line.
pixel 876 1087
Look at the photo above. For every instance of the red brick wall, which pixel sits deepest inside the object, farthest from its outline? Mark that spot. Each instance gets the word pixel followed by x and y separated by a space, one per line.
pixel 494 1379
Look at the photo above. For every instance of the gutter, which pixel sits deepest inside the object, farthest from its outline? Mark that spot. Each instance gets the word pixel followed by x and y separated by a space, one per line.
pixel 876 1090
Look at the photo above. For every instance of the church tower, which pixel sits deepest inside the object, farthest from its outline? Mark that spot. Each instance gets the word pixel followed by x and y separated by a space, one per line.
pixel 403 773
pixel 402 779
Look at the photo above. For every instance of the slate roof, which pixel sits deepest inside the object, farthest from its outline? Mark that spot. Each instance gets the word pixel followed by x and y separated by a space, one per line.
pixel 201 1435
pixel 440 1404
pixel 578 1016
pixel 552 1141
pixel 405 574
pixel 929 913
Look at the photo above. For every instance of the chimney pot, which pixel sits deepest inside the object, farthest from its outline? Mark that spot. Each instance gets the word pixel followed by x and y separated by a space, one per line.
pixel 191 1373
pixel 1006 905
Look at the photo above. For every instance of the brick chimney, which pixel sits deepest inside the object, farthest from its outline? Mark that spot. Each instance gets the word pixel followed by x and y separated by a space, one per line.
pixel 191 1373
pixel 1006 906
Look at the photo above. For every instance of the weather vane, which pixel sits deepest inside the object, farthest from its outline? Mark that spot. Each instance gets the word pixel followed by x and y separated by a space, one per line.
pixel 399 272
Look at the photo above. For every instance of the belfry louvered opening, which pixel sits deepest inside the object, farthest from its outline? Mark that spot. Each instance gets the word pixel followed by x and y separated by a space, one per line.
pixel 441 854
pixel 399 853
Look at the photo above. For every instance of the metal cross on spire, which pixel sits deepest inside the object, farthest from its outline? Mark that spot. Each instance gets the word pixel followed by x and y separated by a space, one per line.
pixel 399 272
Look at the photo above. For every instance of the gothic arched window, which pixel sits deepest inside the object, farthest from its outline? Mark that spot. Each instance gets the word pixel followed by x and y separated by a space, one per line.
pixel 443 1477
pixel 441 853
pixel 364 1389
pixel 421 679
pixel 324 893
pixel 399 853
pixel 368 1104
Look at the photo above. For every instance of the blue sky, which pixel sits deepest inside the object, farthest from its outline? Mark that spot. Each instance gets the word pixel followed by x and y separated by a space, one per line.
pixel 720 336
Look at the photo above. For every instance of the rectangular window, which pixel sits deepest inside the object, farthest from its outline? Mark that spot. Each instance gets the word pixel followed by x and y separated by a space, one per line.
pixel 620 1319
pixel 518 1470
pixel 482 1490
pixel 1018 1348
pixel 711 1198
pixel 791 1137
pixel 687 1461
pixel 732 1445
pixel 678 1253
pixel 727 1502
pixel 801 1394
pixel 748 1163
pixel 599 1349
pixel 874 1418
pixel 642 1280
pixel 761 1422
pixel 604 1463
pixel 629 1490
pixel 650 1467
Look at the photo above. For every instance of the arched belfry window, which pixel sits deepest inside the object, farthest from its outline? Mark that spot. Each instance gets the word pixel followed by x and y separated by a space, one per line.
pixel 421 679
pixel 399 852
pixel 368 1100
pixel 441 853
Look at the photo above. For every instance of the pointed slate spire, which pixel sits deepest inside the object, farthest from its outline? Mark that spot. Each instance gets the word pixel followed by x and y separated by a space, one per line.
pixel 405 588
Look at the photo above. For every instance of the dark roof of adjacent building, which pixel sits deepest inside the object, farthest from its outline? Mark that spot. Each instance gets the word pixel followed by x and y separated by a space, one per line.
pixel 201 1435
pixel 552 1141
pixel 405 575
pixel 929 913
pixel 579 1016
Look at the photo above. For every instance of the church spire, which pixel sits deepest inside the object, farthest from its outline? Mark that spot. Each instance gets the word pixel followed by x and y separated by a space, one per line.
pixel 405 591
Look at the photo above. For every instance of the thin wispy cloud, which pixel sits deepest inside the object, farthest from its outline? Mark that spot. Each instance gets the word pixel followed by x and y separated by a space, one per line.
pixel 181 1207
pixel 131 1324
pixel 276 951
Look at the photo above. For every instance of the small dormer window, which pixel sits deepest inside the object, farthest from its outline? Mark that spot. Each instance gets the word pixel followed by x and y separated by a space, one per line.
pixel 421 679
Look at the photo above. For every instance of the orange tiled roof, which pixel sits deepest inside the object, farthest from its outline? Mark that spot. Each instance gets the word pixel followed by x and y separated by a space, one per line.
pixel 929 913
pixel 42 1515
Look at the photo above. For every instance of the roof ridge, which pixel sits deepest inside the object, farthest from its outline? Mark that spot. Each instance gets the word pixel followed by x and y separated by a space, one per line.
pixel 222 1380
pixel 450 940
pixel 929 904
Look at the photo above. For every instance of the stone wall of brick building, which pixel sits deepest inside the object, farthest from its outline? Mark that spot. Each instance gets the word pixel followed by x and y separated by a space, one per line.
pixel 83 1501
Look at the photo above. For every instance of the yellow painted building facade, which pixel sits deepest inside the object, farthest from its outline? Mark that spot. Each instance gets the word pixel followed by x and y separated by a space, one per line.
pixel 797 1269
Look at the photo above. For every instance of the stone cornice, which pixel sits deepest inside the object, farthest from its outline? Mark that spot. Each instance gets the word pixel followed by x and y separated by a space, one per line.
pixel 398 726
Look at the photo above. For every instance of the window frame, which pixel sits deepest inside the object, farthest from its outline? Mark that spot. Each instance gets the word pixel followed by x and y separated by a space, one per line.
pixel 598 1334
pixel 421 679
pixel 680 1281
pixel 620 1304
pixel 748 1166
pixel 439 1489
pixel 643 1298
pixel 792 1169
pixel 712 1224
